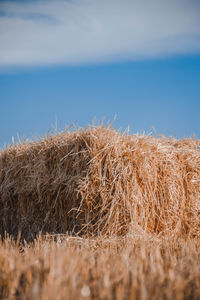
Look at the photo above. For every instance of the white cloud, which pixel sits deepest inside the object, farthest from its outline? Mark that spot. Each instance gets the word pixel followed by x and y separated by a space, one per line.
pixel 86 31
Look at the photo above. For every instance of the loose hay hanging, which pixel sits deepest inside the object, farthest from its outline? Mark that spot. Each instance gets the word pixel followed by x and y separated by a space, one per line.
pixel 98 181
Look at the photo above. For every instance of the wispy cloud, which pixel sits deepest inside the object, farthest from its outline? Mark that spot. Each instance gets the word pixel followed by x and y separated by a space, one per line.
pixel 84 31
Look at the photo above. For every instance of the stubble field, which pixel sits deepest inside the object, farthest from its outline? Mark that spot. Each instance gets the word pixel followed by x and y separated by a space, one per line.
pixel 96 214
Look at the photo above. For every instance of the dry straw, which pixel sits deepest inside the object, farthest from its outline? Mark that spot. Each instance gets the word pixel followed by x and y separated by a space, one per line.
pixel 98 181
pixel 113 269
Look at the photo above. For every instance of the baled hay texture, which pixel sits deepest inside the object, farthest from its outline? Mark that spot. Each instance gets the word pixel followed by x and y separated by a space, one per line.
pixel 100 182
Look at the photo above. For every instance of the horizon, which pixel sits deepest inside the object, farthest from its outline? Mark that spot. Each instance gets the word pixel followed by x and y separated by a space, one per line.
pixel 75 61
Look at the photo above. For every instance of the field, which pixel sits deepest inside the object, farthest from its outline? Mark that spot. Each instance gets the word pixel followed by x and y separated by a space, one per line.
pixel 96 214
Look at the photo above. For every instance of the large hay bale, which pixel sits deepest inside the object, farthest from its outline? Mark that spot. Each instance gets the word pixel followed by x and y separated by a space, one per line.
pixel 99 181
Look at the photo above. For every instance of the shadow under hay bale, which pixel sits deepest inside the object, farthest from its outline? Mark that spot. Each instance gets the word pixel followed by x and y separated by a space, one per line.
pixel 99 182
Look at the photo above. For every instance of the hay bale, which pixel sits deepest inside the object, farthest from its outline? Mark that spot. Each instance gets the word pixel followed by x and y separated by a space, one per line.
pixel 99 181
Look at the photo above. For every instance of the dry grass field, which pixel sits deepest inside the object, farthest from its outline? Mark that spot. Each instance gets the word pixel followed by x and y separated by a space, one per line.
pixel 96 214
pixel 75 268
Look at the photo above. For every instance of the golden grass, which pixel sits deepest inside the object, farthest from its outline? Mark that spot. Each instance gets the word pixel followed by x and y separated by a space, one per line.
pixel 76 268
pixel 118 217
pixel 100 182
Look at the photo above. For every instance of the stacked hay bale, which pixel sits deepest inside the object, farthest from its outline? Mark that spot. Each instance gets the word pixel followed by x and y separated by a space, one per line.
pixel 98 181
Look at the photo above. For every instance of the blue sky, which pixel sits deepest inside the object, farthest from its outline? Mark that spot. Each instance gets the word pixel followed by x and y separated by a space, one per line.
pixel 126 60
